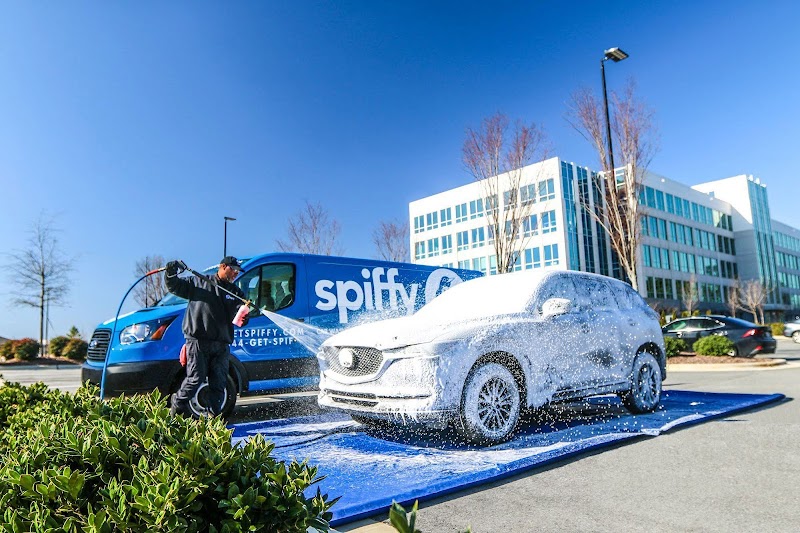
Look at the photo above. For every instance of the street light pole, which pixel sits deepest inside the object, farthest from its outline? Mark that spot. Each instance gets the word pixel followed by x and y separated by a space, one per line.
pixel 225 237
pixel 616 55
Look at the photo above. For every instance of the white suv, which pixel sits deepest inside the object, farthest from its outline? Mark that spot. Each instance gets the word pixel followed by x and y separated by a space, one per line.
pixel 488 347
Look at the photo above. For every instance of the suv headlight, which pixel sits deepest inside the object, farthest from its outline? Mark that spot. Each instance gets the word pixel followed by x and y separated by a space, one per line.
pixel 152 330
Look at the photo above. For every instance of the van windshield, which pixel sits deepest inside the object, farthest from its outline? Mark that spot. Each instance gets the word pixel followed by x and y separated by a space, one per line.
pixel 171 299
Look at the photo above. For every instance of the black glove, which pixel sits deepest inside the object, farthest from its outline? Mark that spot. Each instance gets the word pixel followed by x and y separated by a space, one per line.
pixel 175 267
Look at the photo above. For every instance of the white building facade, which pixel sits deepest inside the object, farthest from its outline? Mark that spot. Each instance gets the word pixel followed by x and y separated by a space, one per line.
pixel 708 235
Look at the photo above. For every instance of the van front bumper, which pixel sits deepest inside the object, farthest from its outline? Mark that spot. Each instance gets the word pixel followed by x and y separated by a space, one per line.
pixel 132 378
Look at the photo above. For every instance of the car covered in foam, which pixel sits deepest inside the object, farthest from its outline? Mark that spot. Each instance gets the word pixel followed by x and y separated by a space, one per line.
pixel 488 348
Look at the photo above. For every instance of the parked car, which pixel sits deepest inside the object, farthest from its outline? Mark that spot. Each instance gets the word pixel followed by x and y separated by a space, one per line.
pixel 489 347
pixel 792 329
pixel 749 339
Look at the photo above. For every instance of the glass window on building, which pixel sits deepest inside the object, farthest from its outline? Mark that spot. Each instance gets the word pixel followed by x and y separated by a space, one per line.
pixel 476 208
pixel 662 229
pixel 653 227
pixel 691 263
pixel 479 263
pixel 447 244
pixel 461 212
pixel 462 238
pixel 650 195
pixel 668 293
pixel 432 220
pixel 664 258
pixel 686 211
pixel 490 234
pixel 646 255
pixel 659 282
pixel 547 190
pixel 530 225
pixel 660 201
pixel 433 247
pixel 548 221
pixel 673 232
pixel 678 207
pixel 550 255
pixel 684 264
pixel 533 258
pixel 510 198
pixel 493 265
pixel 478 237
pixel 527 194
pixel 645 229
pixel 446 216
pixel 419 224
pixel 419 250
pixel 650 283
pixel 670 204
pixel 655 257
pixel 695 212
pixel 490 204
pixel 466 264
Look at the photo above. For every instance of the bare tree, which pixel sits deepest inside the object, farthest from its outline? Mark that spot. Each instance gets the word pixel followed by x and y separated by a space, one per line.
pixel 391 241
pixel 312 231
pixel 689 295
pixel 40 272
pixel 496 158
pixel 150 292
pixel 752 297
pixel 633 134
pixel 734 297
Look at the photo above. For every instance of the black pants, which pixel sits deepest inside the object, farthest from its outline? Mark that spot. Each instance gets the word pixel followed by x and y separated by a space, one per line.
pixel 204 359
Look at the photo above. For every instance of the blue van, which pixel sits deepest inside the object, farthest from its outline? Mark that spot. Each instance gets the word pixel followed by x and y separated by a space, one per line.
pixel 330 293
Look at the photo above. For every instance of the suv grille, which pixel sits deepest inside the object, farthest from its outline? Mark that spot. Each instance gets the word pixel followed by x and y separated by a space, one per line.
pixel 98 346
pixel 366 361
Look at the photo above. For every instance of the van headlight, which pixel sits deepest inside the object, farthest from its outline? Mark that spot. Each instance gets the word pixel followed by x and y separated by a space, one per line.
pixel 152 330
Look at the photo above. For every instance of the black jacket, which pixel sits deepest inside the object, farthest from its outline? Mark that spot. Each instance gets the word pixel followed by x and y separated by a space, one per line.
pixel 210 311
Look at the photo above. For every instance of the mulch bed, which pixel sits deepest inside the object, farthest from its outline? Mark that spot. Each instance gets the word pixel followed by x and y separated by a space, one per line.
pixel 690 358
pixel 47 361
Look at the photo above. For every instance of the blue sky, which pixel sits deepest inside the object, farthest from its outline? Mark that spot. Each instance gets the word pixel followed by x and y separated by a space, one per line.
pixel 139 125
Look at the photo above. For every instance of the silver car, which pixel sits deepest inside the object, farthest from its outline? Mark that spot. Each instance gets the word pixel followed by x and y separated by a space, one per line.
pixel 489 347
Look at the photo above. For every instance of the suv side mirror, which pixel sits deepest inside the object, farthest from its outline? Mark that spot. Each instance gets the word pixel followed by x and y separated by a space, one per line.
pixel 555 307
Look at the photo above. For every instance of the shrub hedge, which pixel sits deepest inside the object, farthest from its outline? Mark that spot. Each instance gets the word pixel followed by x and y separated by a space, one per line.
pixel 777 329
pixel 675 346
pixel 75 463
pixel 25 349
pixel 713 345
pixel 76 349
pixel 56 345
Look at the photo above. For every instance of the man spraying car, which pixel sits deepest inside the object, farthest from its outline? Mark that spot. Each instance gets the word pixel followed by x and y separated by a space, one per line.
pixel 214 303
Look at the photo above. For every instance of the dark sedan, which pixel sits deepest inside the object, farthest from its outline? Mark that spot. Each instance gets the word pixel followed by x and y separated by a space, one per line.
pixel 749 339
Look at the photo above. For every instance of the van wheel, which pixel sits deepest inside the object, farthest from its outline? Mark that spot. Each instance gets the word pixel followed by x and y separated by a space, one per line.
pixel 645 392
pixel 490 405
pixel 199 404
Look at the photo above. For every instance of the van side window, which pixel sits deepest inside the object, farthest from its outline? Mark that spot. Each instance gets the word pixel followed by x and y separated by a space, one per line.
pixel 270 287
pixel 277 286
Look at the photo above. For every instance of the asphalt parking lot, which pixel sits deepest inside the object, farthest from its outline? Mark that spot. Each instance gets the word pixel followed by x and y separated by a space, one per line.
pixel 740 473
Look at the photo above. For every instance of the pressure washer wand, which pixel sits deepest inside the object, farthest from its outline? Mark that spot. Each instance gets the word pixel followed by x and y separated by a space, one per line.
pixel 211 281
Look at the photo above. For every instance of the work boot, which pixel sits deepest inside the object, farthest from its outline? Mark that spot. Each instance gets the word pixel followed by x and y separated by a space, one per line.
pixel 178 407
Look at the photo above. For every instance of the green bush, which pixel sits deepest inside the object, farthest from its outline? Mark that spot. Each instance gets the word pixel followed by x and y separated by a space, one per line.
pixel 713 345
pixel 25 349
pixel 675 346
pixel 75 463
pixel 76 349
pixel 7 349
pixel 777 329
pixel 56 345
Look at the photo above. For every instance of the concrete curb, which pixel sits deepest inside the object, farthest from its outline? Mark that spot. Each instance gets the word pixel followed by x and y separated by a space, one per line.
pixel 758 364
pixel 65 366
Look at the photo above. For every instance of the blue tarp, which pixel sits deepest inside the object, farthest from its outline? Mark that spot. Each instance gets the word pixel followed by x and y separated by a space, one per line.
pixel 370 469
